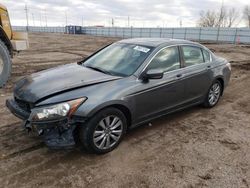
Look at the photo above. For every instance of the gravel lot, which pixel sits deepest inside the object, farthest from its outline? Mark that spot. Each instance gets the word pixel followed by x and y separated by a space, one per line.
pixel 194 148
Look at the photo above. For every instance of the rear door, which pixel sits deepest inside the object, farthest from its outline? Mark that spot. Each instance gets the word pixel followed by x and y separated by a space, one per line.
pixel 196 72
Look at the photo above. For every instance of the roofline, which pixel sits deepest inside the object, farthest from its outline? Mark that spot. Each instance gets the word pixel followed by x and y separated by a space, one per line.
pixel 170 42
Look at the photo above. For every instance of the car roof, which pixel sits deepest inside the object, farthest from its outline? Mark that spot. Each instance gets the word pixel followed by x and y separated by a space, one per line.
pixel 155 42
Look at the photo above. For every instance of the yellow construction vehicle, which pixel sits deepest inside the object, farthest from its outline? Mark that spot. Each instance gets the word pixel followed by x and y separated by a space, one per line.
pixel 10 42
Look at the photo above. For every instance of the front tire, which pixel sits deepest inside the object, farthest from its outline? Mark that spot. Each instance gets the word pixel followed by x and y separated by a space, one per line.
pixel 213 95
pixel 5 64
pixel 104 131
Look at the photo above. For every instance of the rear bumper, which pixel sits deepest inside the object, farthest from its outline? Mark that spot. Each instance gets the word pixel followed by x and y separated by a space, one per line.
pixel 20 41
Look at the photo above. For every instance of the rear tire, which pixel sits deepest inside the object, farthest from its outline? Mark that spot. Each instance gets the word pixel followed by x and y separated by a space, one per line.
pixel 5 64
pixel 213 94
pixel 104 131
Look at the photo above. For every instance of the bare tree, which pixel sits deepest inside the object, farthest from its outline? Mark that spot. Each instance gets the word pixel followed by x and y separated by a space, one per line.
pixel 232 17
pixel 207 19
pixel 246 15
pixel 222 18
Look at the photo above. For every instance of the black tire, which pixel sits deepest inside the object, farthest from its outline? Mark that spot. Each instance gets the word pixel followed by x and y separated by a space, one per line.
pixel 87 130
pixel 6 64
pixel 207 103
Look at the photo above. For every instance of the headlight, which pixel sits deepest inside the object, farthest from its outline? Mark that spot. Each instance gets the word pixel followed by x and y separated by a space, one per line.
pixel 57 111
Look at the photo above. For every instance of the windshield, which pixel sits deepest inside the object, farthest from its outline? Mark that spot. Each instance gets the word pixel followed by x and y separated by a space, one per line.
pixel 119 59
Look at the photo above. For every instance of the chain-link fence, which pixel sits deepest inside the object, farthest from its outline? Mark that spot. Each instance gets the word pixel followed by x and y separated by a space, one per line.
pixel 40 29
pixel 215 35
pixel 230 35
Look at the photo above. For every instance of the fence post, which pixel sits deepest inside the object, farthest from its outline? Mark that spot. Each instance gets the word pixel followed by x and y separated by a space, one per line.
pixel 200 35
pixel 185 34
pixel 235 36
pixel 218 34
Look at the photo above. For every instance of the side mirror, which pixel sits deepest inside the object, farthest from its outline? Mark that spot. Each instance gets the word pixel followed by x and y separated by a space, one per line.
pixel 152 74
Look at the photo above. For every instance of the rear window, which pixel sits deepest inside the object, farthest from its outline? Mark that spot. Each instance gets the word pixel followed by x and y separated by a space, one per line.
pixel 206 55
pixel 192 55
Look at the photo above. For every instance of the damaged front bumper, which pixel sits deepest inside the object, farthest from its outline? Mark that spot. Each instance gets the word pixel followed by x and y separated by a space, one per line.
pixel 57 134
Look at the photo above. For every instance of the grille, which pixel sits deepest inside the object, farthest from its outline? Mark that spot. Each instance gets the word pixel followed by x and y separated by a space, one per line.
pixel 23 104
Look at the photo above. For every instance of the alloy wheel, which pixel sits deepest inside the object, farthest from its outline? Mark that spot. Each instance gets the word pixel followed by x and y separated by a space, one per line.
pixel 214 94
pixel 108 132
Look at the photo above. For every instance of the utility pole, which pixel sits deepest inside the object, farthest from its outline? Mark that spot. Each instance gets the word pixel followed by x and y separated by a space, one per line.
pixel 112 21
pixel 40 18
pixel 128 21
pixel 66 18
pixel 33 19
pixel 82 21
pixel 45 17
pixel 180 22
pixel 27 17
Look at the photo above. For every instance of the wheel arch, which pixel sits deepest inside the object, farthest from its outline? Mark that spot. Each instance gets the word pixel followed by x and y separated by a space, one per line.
pixel 118 105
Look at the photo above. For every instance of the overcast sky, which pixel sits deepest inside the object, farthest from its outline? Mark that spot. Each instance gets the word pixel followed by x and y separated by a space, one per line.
pixel 142 13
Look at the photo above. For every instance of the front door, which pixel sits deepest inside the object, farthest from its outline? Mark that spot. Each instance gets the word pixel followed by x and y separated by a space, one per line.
pixel 155 97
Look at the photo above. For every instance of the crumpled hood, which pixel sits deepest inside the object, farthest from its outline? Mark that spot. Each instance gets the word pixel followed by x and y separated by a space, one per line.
pixel 49 82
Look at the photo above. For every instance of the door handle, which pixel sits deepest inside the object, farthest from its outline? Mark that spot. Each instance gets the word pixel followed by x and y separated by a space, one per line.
pixel 179 75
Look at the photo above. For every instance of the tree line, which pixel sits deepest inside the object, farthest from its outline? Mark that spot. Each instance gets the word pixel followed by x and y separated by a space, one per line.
pixel 224 17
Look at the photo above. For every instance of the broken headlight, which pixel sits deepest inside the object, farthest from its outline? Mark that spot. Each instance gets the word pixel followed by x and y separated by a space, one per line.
pixel 57 111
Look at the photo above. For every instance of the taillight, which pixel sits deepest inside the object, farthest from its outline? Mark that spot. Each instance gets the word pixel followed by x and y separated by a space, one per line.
pixel 229 66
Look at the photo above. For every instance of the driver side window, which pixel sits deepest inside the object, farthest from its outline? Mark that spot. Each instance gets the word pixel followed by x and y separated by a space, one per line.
pixel 166 60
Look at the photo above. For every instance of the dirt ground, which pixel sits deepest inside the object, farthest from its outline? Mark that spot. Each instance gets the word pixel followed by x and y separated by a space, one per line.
pixel 194 148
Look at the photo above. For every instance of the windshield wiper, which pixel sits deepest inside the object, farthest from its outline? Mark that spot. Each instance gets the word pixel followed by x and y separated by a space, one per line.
pixel 98 69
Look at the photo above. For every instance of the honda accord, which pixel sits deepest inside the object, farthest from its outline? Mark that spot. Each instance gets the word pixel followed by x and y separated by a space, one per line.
pixel 123 85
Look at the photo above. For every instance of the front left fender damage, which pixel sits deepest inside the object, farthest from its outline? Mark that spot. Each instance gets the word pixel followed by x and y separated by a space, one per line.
pixel 55 134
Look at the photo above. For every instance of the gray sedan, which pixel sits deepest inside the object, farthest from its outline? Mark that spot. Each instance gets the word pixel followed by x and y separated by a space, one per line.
pixel 123 85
